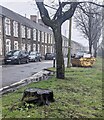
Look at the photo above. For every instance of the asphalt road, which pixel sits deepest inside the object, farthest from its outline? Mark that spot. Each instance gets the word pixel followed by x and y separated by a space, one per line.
pixel 15 73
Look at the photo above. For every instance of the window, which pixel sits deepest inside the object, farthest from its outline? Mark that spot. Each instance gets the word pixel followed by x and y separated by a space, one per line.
pixel 45 49
pixel 28 33
pixel 42 37
pixel 28 47
pixel 15 45
pixel 38 48
pixel 51 49
pixel 8 45
pixel 38 35
pixel 34 34
pixel 45 37
pixel 7 26
pixel 0 47
pixel 15 28
pixel 34 47
pixel 42 49
pixel 23 31
pixel 51 40
pixel 66 43
pixel 23 46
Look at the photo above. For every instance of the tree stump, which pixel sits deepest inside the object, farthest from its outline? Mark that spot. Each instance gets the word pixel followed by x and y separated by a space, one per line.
pixel 39 96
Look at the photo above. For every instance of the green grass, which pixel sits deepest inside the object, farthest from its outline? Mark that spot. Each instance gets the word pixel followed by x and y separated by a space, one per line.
pixel 79 95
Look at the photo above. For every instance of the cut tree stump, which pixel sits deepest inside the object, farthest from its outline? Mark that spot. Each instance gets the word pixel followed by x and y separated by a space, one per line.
pixel 39 96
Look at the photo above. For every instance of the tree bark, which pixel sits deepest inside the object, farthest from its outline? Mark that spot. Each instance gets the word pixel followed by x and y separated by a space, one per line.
pixel 95 53
pixel 90 47
pixel 60 68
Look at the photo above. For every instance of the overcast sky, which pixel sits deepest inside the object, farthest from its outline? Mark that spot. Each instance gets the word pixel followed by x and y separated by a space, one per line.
pixel 28 7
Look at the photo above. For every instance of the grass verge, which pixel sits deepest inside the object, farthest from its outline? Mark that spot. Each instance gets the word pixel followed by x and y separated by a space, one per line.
pixel 79 95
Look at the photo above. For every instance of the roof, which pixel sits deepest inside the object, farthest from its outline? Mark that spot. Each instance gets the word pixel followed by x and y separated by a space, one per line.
pixel 23 20
pixel 74 42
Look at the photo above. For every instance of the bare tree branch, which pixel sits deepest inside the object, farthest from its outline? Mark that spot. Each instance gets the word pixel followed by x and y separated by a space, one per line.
pixel 44 14
pixel 89 21
pixel 68 14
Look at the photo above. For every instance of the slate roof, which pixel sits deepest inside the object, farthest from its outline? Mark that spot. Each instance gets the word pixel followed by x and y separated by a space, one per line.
pixel 23 20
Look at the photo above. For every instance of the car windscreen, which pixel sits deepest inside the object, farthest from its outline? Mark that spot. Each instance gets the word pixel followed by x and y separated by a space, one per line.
pixel 10 53
pixel 32 53
pixel 16 53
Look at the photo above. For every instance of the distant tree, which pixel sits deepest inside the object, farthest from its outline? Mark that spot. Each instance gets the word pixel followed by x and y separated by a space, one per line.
pixel 89 22
pixel 55 23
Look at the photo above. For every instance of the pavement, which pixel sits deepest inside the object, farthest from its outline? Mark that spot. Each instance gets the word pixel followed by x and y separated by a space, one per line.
pixel 42 75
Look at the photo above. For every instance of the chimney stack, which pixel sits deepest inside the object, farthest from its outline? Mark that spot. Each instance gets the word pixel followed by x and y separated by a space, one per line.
pixel 33 18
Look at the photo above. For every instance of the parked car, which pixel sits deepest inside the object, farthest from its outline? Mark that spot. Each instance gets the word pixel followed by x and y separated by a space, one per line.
pixel 49 56
pixel 81 54
pixel 35 56
pixel 16 56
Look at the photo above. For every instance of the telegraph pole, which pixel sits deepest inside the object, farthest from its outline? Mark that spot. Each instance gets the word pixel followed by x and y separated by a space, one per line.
pixel 69 44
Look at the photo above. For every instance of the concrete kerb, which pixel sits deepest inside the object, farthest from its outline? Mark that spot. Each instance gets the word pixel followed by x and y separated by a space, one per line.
pixel 42 75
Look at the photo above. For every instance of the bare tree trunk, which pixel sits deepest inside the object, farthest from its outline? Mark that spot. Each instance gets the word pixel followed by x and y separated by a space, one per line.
pixel 60 68
pixel 90 47
pixel 95 53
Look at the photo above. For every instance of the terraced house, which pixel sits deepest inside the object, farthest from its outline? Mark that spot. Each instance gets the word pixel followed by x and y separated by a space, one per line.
pixel 22 33
pixel 18 32
pixel 0 36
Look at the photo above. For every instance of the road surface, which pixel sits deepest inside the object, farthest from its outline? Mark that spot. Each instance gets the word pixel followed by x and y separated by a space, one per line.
pixel 15 73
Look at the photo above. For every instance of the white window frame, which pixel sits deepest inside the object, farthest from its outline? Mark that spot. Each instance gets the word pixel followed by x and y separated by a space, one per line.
pixel 28 47
pixel 42 33
pixel 28 33
pixel 8 46
pixel 22 31
pixel 15 28
pixel 45 37
pixel 7 26
pixel 15 45
pixel 34 47
pixel 38 35
pixel 51 38
pixel 23 46
pixel 34 34
pixel 38 47
pixel 42 49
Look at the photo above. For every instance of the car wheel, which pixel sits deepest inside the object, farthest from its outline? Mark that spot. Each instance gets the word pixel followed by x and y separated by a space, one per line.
pixel 35 60
pixel 5 63
pixel 40 60
pixel 27 61
pixel 19 62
